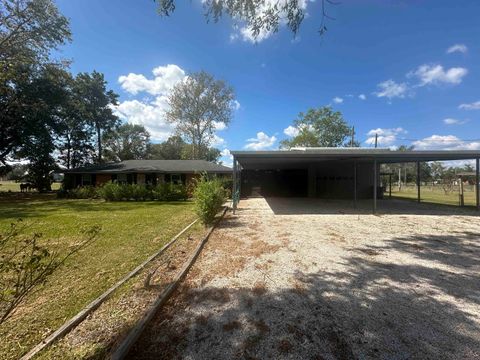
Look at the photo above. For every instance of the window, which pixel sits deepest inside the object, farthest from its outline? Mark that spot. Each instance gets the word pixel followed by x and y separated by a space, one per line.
pixel 122 178
pixel 176 179
pixel 86 180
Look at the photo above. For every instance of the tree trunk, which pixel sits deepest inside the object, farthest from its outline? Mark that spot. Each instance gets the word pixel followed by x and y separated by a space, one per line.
pixel 99 143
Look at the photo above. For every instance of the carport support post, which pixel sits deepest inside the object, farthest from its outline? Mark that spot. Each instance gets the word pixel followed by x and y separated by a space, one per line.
pixel 418 181
pixel 477 179
pixel 375 186
pixel 234 189
pixel 355 184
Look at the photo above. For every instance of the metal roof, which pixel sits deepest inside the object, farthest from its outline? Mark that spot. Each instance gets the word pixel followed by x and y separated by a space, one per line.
pixel 359 154
pixel 153 166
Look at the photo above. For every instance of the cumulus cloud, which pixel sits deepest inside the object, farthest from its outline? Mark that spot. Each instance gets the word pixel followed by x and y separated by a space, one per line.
pixel 236 105
pixel 262 141
pixel 291 131
pixel 362 97
pixel 472 106
pixel 150 115
pixel 461 48
pixel 445 142
pixel 386 137
pixel 337 100
pixel 165 78
pixel 436 74
pixel 391 89
pixel 226 157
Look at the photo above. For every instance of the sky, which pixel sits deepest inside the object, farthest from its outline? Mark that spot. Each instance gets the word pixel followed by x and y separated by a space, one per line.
pixel 408 71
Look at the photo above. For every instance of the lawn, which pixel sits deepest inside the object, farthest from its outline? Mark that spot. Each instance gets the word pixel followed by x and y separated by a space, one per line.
pixel 6 186
pixel 131 231
pixel 435 195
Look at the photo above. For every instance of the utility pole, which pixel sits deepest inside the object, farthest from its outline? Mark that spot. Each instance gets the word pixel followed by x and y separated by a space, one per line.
pixel 376 140
pixel 353 136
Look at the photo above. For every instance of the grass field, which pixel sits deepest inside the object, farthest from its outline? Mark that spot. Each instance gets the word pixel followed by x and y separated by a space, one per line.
pixel 131 231
pixel 13 186
pixel 435 195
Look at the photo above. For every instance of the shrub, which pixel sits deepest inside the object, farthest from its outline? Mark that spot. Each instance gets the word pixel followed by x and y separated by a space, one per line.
pixel 84 192
pixel 111 191
pixel 209 197
pixel 140 192
pixel 170 192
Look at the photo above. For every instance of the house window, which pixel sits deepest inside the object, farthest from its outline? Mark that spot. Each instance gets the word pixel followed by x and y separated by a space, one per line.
pixel 122 178
pixel 176 179
pixel 86 179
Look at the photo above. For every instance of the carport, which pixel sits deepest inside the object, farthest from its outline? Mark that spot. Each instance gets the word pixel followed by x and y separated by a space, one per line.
pixel 330 173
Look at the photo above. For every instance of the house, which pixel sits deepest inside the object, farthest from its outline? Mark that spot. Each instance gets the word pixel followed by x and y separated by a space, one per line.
pixel 149 172
pixel 328 173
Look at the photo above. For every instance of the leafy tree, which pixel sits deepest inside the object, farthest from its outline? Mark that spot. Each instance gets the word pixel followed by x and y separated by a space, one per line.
pixel 196 105
pixel 96 105
pixel 320 127
pixel 259 15
pixel 29 30
pixel 171 149
pixel 126 142
pixel 174 148
pixel 75 137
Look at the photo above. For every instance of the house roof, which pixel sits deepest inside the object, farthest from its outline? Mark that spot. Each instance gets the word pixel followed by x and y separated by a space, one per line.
pixel 298 155
pixel 153 166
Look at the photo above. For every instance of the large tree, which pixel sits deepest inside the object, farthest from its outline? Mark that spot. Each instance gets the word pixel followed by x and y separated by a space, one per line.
pixel 174 148
pixel 126 142
pixel 320 127
pixel 97 105
pixel 196 106
pixel 258 16
pixel 29 30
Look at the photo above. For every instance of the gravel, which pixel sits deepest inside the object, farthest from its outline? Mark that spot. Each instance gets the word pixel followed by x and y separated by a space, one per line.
pixel 309 279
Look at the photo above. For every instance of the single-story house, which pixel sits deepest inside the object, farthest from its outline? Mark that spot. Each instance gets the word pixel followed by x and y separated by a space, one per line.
pixel 331 173
pixel 149 172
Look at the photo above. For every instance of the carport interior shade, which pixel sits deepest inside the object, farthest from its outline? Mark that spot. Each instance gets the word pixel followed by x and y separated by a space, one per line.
pixel 283 183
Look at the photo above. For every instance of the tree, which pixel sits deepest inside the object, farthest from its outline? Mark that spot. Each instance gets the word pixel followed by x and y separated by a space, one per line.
pixel 196 106
pixel 171 149
pixel 29 30
pixel 96 105
pixel 320 127
pixel 126 142
pixel 259 16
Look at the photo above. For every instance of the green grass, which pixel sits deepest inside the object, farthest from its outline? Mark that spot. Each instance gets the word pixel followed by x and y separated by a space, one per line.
pixel 6 186
pixel 131 231
pixel 435 195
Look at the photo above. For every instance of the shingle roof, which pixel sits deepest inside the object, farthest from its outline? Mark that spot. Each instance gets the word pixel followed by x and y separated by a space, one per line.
pixel 154 166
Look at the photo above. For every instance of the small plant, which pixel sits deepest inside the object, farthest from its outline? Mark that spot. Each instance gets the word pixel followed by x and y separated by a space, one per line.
pixel 25 264
pixel 209 196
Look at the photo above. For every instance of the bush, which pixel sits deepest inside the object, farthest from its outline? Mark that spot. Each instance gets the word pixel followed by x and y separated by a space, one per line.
pixel 170 192
pixel 209 196
pixel 137 192
pixel 111 192
pixel 84 192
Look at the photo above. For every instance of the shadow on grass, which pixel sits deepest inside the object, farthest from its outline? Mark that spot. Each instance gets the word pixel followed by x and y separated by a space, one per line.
pixel 373 308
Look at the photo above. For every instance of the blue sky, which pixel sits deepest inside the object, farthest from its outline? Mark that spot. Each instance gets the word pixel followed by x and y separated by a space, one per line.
pixel 407 70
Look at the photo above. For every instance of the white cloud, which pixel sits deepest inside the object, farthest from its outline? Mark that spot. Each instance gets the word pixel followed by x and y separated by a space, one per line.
pixel 472 106
pixel 362 97
pixel 150 115
pixel 386 137
pixel 291 131
pixel 226 157
pixel 445 142
pixel 390 89
pixel 461 48
pixel 436 74
pixel 262 141
pixel 165 78
pixel 219 125
pixel 451 121
pixel 337 100
pixel 217 141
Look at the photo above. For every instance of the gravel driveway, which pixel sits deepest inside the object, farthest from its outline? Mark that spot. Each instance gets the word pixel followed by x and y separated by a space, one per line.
pixel 301 279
